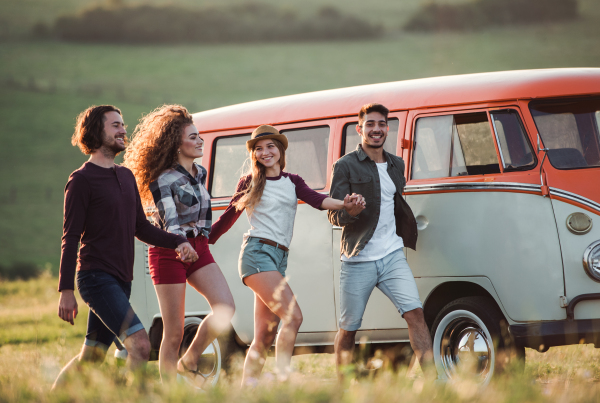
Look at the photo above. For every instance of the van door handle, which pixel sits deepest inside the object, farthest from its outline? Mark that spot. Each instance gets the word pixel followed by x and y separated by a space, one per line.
pixel 335 227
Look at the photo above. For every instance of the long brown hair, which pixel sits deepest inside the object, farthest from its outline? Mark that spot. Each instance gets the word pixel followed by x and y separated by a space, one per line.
pixel 154 145
pixel 249 198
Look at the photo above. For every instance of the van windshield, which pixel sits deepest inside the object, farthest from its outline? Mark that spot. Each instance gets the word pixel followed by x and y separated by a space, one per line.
pixel 570 131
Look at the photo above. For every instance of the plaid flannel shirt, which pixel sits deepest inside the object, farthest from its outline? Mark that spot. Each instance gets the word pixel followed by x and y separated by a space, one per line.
pixel 182 202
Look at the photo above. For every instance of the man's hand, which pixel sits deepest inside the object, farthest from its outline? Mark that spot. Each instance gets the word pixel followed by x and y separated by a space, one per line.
pixel 186 253
pixel 67 306
pixel 354 204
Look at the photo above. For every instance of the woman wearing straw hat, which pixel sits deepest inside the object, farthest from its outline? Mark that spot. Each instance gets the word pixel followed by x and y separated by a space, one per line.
pixel 161 156
pixel 270 197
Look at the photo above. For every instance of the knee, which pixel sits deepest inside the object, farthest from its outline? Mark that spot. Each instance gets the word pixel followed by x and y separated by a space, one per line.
pixel 346 337
pixel 414 317
pixel 172 339
pixel 295 318
pixel 225 312
pixel 141 350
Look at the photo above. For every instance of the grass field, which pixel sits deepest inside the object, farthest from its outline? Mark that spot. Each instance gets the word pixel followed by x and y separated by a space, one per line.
pixel 35 344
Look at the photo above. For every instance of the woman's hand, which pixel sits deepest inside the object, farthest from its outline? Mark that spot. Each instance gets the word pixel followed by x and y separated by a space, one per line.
pixel 186 253
pixel 354 204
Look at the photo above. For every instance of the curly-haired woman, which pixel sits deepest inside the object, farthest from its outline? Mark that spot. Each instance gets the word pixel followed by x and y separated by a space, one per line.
pixel 270 197
pixel 161 156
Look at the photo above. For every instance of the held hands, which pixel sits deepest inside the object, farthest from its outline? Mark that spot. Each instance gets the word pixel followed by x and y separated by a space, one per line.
pixel 354 204
pixel 186 253
pixel 67 306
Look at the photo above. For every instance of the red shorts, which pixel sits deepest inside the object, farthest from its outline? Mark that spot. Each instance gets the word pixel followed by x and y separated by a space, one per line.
pixel 165 268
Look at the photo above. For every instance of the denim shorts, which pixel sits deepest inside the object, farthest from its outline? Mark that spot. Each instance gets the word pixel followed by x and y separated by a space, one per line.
pixel 110 314
pixel 390 274
pixel 257 257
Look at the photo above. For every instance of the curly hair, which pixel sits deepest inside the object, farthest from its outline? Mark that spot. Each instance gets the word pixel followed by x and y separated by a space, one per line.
pixel 249 198
pixel 154 145
pixel 90 126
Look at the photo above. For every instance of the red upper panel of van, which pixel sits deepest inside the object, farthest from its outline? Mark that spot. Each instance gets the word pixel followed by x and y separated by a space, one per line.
pixel 402 95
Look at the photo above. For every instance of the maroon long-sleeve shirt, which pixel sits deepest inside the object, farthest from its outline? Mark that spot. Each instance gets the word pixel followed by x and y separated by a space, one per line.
pixel 104 212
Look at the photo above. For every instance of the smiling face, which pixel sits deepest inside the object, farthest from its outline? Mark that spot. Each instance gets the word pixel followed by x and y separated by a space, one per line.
pixel 267 153
pixel 192 145
pixel 114 133
pixel 374 130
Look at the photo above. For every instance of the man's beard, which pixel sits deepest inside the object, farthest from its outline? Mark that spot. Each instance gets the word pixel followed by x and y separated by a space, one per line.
pixel 377 146
pixel 113 149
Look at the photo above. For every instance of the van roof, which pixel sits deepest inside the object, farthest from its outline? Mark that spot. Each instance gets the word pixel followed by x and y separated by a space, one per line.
pixel 403 95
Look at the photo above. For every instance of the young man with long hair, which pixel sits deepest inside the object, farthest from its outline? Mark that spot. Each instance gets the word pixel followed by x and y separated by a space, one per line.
pixel 270 197
pixel 103 213
pixel 172 188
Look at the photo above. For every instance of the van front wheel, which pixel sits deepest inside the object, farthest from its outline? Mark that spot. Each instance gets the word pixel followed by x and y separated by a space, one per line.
pixel 470 338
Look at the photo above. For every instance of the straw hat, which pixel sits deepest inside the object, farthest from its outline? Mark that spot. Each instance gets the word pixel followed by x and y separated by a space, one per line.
pixel 266 132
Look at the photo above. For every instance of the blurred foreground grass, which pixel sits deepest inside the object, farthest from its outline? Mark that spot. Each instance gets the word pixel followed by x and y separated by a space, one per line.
pixel 35 344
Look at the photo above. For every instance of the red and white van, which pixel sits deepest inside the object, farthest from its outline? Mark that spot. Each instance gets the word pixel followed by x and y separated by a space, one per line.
pixel 503 176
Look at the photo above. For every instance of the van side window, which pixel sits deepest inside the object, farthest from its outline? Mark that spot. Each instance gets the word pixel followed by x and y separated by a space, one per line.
pixel 454 145
pixel 515 148
pixel 352 139
pixel 229 157
pixel 570 130
pixel 307 154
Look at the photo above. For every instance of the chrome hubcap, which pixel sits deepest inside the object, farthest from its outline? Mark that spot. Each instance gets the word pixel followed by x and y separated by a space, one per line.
pixel 465 348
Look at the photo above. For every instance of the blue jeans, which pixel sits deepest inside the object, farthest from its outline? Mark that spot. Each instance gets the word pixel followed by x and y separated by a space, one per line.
pixel 111 315
pixel 391 274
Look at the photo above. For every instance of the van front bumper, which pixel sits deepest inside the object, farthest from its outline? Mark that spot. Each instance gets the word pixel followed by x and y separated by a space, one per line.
pixel 543 335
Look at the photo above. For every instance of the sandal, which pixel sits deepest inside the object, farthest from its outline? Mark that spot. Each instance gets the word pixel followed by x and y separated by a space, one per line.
pixel 196 372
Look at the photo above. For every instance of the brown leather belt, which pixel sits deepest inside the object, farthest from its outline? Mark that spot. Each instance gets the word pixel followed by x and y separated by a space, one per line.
pixel 275 244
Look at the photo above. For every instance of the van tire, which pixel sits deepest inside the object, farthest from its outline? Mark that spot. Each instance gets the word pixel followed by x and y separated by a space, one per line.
pixel 476 320
pixel 217 355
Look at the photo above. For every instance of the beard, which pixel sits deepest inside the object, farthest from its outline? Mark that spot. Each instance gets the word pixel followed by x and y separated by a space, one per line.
pixel 378 145
pixel 112 148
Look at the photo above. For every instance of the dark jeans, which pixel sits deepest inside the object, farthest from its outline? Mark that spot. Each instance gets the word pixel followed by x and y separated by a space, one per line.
pixel 111 315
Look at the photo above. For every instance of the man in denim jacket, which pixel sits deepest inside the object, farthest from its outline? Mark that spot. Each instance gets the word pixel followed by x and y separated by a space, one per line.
pixel 372 241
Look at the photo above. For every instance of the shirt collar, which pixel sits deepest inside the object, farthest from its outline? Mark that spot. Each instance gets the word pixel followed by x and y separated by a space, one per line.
pixel 363 155
pixel 182 170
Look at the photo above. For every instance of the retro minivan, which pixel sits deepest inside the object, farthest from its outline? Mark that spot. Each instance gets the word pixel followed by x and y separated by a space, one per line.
pixel 503 177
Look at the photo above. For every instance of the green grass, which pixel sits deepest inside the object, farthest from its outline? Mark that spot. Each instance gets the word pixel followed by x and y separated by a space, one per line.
pixel 35 344
pixel 19 15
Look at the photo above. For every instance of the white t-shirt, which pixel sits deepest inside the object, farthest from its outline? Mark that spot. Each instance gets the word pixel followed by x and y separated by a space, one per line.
pixel 384 240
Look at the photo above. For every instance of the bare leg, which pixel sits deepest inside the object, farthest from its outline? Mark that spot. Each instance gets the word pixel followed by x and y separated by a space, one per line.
pixel 344 349
pixel 420 340
pixel 87 354
pixel 138 349
pixel 265 331
pixel 171 299
pixel 210 283
pixel 276 294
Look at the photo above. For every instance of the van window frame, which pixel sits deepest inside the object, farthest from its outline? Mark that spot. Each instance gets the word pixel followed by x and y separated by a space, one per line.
pixel 525 134
pixel 213 160
pixel 322 125
pixel 558 100
pixel 418 114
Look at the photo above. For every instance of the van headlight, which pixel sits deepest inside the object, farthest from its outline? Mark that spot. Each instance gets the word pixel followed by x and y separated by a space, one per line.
pixel 591 261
